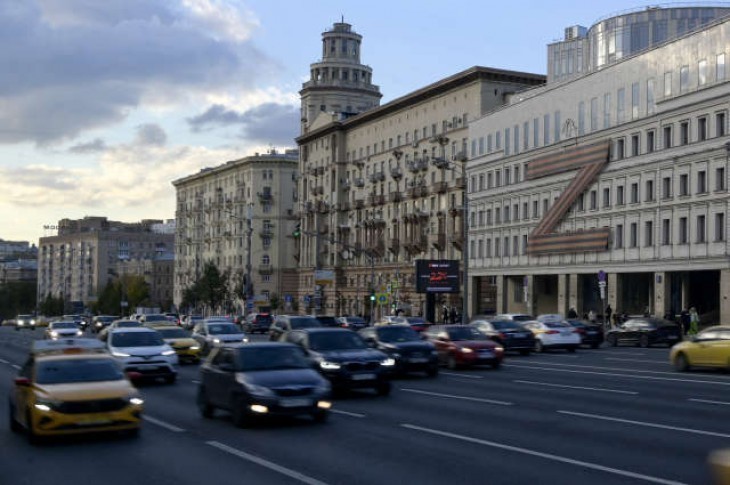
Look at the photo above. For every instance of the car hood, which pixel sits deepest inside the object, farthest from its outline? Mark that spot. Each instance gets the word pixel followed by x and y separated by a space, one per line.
pixel 81 391
pixel 141 351
pixel 349 355
pixel 285 378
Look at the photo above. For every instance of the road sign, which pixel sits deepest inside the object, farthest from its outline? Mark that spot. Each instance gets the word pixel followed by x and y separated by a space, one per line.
pixel 382 298
pixel 125 304
pixel 249 304
pixel 288 298
pixel 602 289
pixel 602 276
pixel 307 299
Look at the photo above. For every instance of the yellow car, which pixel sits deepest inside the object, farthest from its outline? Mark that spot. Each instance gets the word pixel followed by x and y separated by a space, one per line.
pixel 709 348
pixel 186 348
pixel 72 386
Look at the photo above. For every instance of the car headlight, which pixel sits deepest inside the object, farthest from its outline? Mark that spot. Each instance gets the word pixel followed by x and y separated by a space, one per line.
pixel 245 340
pixel 168 352
pixel 389 362
pixel 116 353
pixel 54 333
pixel 216 340
pixel 135 400
pixel 327 365
pixel 32 322
pixel 46 404
pixel 194 347
pixel 466 350
pixel 79 333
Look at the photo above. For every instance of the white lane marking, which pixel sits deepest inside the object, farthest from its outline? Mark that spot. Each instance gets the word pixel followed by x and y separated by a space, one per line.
pixel 195 382
pixel 642 423
pixel 547 456
pixel 452 396
pixel 3 361
pixel 465 376
pixel 626 376
pixel 708 401
pixel 645 361
pixel 673 373
pixel 15 366
pixel 266 463
pixel 162 424
pixel 616 391
pixel 347 413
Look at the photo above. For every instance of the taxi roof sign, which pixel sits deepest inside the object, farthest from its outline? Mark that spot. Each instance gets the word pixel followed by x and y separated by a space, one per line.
pixel 67 346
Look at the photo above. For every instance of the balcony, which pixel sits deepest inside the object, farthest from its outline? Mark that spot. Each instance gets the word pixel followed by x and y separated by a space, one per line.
pixel 394 245
pixel 396 196
pixel 414 192
pixel 396 173
pixel 265 232
pixel 266 269
pixel 265 196
pixel 345 184
pixel 359 203
pixel 359 182
pixel 438 241
pixel 424 191
pixel 377 177
pixel 440 187
pixel 460 183
pixel 323 207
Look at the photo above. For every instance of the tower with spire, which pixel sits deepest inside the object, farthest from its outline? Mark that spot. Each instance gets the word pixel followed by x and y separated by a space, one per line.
pixel 339 85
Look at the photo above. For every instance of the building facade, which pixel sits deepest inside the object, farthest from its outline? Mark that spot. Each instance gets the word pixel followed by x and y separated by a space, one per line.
pixel 239 216
pixel 617 175
pixel 77 263
pixel 383 188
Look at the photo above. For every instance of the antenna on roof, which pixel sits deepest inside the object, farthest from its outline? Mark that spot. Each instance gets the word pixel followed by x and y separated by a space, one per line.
pixel 343 18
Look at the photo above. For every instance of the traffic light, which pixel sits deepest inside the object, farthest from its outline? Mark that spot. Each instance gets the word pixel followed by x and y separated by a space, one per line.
pixel 372 295
pixel 297 231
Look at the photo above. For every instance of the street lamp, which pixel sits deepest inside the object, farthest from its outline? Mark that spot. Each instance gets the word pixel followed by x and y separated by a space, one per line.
pixel 443 164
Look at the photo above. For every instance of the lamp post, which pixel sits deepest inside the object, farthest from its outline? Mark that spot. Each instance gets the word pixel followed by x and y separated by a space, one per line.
pixel 444 164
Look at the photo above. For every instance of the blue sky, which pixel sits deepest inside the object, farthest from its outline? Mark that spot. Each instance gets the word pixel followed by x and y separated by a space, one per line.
pixel 104 103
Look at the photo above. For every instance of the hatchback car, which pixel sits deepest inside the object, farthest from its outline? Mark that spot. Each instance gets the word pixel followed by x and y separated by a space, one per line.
pixel 553 334
pixel 463 345
pixel 709 348
pixel 590 334
pixel 508 333
pixel 410 352
pixel 645 332
pixel 344 358
pixel 62 329
pixel 287 323
pixel 258 323
pixel 262 379
pixel 212 333
pixel 142 352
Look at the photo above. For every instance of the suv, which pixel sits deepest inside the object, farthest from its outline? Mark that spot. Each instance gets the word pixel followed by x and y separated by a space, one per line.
pixel 142 351
pixel 344 358
pixel 213 333
pixel 327 320
pixel 286 323
pixel 258 322
pixel 152 319
pixel 25 321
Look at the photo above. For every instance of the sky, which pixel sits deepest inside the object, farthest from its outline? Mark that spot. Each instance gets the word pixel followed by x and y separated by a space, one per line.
pixel 104 103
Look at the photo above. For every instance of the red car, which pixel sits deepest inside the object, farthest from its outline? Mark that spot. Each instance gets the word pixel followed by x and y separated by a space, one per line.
pixel 463 345
pixel 419 324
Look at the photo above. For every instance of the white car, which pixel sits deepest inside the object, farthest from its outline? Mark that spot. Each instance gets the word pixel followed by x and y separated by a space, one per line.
pixel 212 333
pixel 63 329
pixel 143 353
pixel 553 334
pixel 25 321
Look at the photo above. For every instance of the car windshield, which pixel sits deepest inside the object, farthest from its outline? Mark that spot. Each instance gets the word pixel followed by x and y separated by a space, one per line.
pixel 155 318
pixel 25 317
pixel 106 319
pixel 345 340
pixel 128 324
pixel 222 329
pixel 174 333
pixel 465 333
pixel 354 320
pixel 506 326
pixel 136 339
pixel 64 325
pixel 304 322
pixel 522 318
pixel 415 320
pixel 77 370
pixel 397 334
pixel 272 358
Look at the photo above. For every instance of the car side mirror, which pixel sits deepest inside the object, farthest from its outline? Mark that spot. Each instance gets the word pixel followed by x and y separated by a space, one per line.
pixel 22 382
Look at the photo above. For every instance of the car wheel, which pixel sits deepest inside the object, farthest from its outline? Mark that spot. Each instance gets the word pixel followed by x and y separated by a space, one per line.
pixel 539 347
pixel 451 362
pixel 241 418
pixel 383 388
pixel 644 341
pixel 432 371
pixel 612 340
pixel 320 416
pixel 681 363
pixel 206 409
pixel 525 352
pixel 15 426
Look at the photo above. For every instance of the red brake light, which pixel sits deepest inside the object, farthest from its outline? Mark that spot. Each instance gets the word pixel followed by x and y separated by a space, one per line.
pixel 502 335
pixel 552 332
pixel 22 381
pixel 579 330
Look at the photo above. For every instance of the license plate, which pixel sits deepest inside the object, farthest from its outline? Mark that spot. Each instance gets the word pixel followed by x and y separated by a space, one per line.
pixel 295 402
pixel 566 333
pixel 486 353
pixel 362 377
pixel 93 422
pixel 418 360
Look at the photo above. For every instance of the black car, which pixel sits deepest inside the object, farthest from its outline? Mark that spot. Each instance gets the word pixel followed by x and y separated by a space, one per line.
pixel 510 334
pixel 344 358
pixel 286 323
pixel 262 379
pixel 410 352
pixel 258 323
pixel 327 320
pixel 353 323
pixel 100 322
pixel 590 334
pixel 644 332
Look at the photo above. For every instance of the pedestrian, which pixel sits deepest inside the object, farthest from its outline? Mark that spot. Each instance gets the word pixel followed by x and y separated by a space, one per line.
pixel 445 314
pixel 453 314
pixel 694 321
pixel 616 318
pixel 572 313
pixel 609 312
pixel 647 311
pixel 684 321
pixel 592 316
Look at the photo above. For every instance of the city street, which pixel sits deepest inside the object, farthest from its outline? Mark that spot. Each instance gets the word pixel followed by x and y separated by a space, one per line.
pixel 606 416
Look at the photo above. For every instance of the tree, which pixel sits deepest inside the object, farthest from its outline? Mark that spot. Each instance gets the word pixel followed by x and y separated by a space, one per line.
pixel 136 290
pixel 17 297
pixel 211 289
pixel 51 305
pixel 274 302
pixel 109 300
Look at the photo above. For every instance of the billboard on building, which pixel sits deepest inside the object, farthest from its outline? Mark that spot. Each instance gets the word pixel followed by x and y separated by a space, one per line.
pixel 437 276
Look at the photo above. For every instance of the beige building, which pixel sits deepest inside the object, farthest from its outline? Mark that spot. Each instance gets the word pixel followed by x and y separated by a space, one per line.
pixel 78 262
pixel 237 214
pixel 620 171
pixel 158 273
pixel 372 199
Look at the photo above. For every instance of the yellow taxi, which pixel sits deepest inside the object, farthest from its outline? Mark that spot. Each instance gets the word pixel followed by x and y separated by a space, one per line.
pixel 72 386
pixel 181 341
pixel 709 348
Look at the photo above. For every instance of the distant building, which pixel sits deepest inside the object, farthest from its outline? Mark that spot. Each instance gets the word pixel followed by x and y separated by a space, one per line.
pixel 78 262
pixel 18 270
pixel 13 250
pixel 158 274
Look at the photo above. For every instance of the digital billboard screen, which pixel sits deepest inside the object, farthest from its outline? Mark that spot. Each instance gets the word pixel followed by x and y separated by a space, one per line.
pixel 437 276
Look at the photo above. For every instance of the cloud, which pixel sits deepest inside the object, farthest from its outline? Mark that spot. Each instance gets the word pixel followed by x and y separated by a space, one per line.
pixel 267 123
pixel 151 134
pixel 83 64
pixel 95 146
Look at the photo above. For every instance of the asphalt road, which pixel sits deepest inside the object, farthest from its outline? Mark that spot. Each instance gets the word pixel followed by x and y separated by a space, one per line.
pixel 606 416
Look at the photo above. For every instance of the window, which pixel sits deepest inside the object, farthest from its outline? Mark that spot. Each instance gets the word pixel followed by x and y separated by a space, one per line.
pixel 682 230
pixel 490 182
pixel 536 132
pixel 648 233
pixel 544 206
pixel 683 79
pixel 481 181
pixel 650 103
pixel 594 114
pixel 702 72
pixel 607 110
pixel 666 232
pixel 650 144
pixel 683 184
pixel 489 217
pixel 649 195
pixel 606 197
pixel 515 245
pixel 535 210
pixel 497 216
pixel 498 178
pixel 581 202
pixel 506 141
pixel 581 118
pixel 720 124
pixel 619 149
pixel 684 133
pixel 506 213
pixel 635 141
pixel 633 235
pixel 489 248
pixel 720 178
pixel 701 233
pixel 720 67
pixel 497 249
pixel 635 100
pixel 618 240
pixel 525 211
pixel 667 188
pixel 498 141
pixel 546 130
pixel 524 244
pixel 668 136
pixel 481 249
pixel 507 174
pixel 516 131
pixel 634 193
pixel 517 174
pixel 516 212
pixel 556 126
pixel 720 226
pixel 594 200
pixel 620 195
pixel 702 129
pixel 701 182
pixel 667 84
pixel 525 135
pixel 620 104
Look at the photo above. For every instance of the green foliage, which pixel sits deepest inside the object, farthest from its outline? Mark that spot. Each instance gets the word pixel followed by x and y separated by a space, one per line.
pixel 275 302
pixel 132 288
pixel 17 297
pixel 211 289
pixel 51 306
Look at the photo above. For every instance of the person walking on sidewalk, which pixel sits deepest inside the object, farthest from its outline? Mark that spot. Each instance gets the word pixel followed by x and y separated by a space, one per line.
pixel 694 321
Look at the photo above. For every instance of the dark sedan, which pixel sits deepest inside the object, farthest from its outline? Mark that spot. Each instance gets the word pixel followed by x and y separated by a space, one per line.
pixel 463 345
pixel 262 379
pixel 644 332
pixel 509 334
pixel 405 346
pixel 590 334
pixel 343 357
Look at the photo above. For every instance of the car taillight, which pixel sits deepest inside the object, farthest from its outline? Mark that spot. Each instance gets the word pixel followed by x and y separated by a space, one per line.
pixel 579 330
pixel 551 332
pixel 502 335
